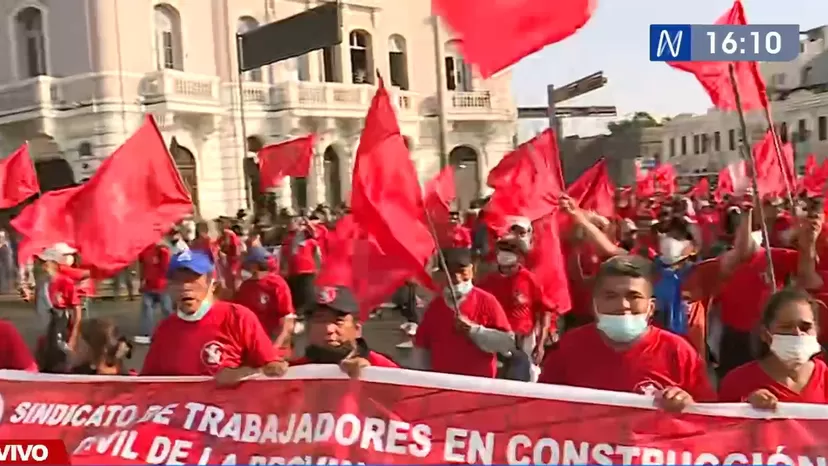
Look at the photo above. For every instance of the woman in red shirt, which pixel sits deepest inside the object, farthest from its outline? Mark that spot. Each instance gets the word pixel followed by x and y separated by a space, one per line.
pixel 785 370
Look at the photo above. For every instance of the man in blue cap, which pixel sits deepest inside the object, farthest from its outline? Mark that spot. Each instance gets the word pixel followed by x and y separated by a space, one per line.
pixel 205 336
pixel 267 294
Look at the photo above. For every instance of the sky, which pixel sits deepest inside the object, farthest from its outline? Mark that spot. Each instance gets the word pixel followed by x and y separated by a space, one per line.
pixel 616 41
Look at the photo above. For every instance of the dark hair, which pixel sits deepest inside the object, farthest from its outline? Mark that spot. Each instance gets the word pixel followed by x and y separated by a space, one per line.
pixel 105 341
pixel 774 303
pixel 627 265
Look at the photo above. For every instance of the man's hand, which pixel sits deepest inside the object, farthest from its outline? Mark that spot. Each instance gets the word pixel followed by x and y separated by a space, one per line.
pixel 232 376
pixel 275 368
pixel 763 399
pixel 353 366
pixel 538 353
pixel 567 204
pixel 673 399
pixel 462 324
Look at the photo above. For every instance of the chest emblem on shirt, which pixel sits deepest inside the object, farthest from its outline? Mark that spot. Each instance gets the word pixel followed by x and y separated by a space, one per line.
pixel 212 353
pixel 521 298
pixel 263 299
pixel 648 387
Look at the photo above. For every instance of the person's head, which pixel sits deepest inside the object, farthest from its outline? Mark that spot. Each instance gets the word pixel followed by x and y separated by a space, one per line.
pixel 333 325
pixel 772 206
pixel 202 229
pixel 237 229
pixel 459 268
pixel 293 223
pixel 256 261
pixel 454 217
pixel 102 346
pixel 788 329
pixel 190 275
pixel 623 297
pixel 510 251
pixel 521 227
pixel 676 242
pixel 629 233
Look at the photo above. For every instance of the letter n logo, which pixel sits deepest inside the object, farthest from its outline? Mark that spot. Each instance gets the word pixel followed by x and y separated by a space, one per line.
pixel 670 42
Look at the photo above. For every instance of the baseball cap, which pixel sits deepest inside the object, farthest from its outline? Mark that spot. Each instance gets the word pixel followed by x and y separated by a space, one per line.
pixel 256 255
pixel 457 258
pixel 50 255
pixel 511 243
pixel 195 261
pixel 337 298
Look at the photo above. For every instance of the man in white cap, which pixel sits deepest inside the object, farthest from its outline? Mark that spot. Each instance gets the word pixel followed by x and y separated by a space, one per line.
pixel 59 304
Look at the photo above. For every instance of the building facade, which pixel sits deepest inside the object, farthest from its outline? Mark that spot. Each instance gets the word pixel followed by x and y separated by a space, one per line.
pixel 83 73
pixel 799 109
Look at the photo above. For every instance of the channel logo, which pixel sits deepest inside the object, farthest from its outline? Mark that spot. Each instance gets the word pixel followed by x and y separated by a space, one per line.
pixel 671 42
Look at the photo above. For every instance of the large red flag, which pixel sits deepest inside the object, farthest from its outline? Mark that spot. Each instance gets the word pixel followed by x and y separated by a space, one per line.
pixel 439 194
pixel 289 158
pixel 133 199
pixel 18 179
pixel 594 190
pixel 386 199
pixel 700 189
pixel 495 34
pixel 715 76
pixel 773 178
pixel 45 222
pixel 546 260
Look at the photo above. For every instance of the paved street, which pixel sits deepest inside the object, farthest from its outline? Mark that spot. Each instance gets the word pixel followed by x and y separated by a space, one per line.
pixel 382 333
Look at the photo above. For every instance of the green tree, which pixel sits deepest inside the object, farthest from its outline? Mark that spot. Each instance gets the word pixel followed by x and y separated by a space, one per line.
pixel 637 121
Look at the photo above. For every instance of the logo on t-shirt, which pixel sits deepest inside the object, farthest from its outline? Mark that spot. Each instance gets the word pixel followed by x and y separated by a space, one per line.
pixel 263 299
pixel 648 387
pixel 521 299
pixel 211 353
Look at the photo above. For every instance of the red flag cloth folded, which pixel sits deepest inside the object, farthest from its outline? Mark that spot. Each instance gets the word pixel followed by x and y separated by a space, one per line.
pixel 522 27
pixel 386 199
pixel 18 179
pixel 546 260
pixel 700 190
pixel 715 76
pixel 439 193
pixel 815 177
pixel 289 158
pixel 645 182
pixel 133 199
pixel 773 178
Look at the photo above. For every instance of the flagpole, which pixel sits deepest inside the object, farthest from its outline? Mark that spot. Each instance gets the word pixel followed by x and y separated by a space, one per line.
pixel 248 191
pixel 777 144
pixel 440 71
pixel 751 167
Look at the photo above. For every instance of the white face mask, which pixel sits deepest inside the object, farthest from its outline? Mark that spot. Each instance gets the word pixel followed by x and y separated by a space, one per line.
pixel 623 328
pixel 795 349
pixel 756 236
pixel 671 249
pixel 506 258
pixel 461 290
pixel 245 274
pixel 69 260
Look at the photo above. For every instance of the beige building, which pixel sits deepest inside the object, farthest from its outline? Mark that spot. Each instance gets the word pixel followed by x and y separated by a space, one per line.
pixel 799 90
pixel 83 73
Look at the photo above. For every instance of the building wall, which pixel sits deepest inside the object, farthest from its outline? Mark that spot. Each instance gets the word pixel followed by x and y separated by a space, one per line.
pixel 102 77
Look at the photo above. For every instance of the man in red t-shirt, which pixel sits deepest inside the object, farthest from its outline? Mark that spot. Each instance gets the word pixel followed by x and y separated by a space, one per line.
pixel 465 341
pixel 64 305
pixel 520 294
pixel 153 263
pixel 621 351
pixel 230 247
pixel 302 257
pixel 456 235
pixel 267 294
pixel 335 333
pixel 208 337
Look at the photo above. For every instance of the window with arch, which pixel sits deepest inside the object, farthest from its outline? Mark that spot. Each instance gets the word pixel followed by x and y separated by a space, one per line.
pixel 398 61
pixel 458 72
pixel 362 61
pixel 31 42
pixel 247 23
pixel 168 49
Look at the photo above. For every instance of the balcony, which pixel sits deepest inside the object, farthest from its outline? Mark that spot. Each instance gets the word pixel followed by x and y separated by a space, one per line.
pixel 337 99
pixel 25 99
pixel 181 91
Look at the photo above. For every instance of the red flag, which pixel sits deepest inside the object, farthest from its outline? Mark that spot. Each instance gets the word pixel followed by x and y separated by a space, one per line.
pixel 665 179
pixel 700 190
pixel 546 260
pixel 815 177
pixel 528 181
pixel 732 179
pixel 594 190
pixel 522 27
pixel 386 200
pixel 645 182
pixel 715 76
pixel 18 179
pixel 773 178
pixel 133 199
pixel 439 194
pixel 289 158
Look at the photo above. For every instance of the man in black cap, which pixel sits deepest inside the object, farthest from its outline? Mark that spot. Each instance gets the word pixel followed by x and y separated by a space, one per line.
pixel 335 334
pixel 462 331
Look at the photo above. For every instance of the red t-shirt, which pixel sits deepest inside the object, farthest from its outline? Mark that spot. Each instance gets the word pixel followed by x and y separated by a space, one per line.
pixel 452 352
pixel 84 284
pixel 228 336
pixel 231 246
pixel 521 297
pixel 744 294
pixel 739 383
pixel 63 292
pixel 456 236
pixel 269 298
pixel 303 259
pixel 14 354
pixel 659 359
pixel 374 358
pixel 154 262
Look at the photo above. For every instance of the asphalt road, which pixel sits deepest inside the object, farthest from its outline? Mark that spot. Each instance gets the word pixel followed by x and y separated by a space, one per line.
pixel 382 333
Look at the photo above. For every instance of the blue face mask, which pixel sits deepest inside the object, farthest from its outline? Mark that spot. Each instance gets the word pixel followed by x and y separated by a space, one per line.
pixel 197 315
pixel 623 328
pixel 461 290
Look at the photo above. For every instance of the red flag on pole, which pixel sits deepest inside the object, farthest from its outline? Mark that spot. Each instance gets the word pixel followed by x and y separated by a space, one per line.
pixel 289 158
pixel 700 190
pixel 386 199
pixel 715 76
pixel 18 179
pixel 439 194
pixel 594 190
pixel 133 199
pixel 772 177
pixel 495 34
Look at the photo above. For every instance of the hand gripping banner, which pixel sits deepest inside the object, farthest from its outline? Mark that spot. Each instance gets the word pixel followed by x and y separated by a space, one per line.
pixel 315 415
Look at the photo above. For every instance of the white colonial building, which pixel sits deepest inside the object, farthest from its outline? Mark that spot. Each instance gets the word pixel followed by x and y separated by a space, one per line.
pixel 799 89
pixel 82 74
